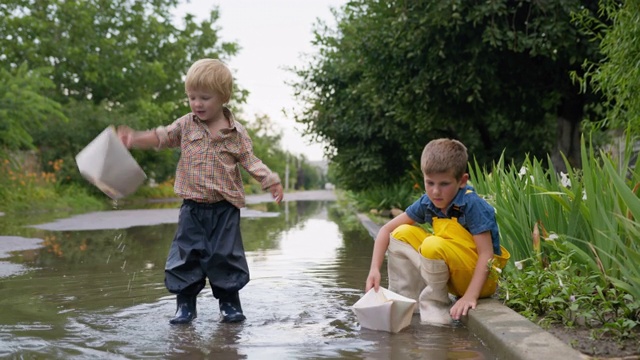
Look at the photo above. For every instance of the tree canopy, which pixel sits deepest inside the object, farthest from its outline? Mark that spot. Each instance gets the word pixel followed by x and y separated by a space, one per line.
pixel 396 74
pixel 617 78
pixel 119 51
pixel 23 108
pixel 71 68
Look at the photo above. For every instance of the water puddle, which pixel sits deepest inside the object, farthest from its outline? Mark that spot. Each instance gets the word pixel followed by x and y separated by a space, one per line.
pixel 99 293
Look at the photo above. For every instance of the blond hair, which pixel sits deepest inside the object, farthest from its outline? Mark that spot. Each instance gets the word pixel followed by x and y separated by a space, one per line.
pixel 444 155
pixel 210 75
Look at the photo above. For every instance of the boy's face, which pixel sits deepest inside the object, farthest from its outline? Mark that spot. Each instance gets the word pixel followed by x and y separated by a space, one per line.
pixel 205 104
pixel 442 188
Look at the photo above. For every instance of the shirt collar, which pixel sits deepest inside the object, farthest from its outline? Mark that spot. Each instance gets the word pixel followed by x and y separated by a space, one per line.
pixel 227 113
pixel 458 201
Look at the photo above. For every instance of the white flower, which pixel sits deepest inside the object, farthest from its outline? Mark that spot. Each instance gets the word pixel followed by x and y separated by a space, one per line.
pixel 564 180
pixel 523 172
pixel 553 237
pixel 584 194
pixel 526 182
pixel 519 265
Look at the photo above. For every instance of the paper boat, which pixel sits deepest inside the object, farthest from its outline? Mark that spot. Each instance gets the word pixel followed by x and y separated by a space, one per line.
pixel 384 310
pixel 107 164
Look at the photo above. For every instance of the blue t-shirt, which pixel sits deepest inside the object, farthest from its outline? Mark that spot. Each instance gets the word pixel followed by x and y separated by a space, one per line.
pixel 473 213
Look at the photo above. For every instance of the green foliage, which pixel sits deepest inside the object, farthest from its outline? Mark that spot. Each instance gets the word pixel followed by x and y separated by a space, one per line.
pixel 109 63
pixel 162 190
pixel 84 120
pixel 567 293
pixel 24 107
pixel 28 190
pixel 398 196
pixel 121 51
pixel 587 221
pixel 587 206
pixel 397 74
pixel 70 69
pixel 308 176
pixel 617 78
pixel 266 139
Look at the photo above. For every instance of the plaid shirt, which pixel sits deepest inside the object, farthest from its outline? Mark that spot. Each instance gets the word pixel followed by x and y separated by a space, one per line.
pixel 208 168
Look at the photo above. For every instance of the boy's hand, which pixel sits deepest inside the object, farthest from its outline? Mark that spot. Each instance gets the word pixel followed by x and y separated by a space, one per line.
pixel 373 280
pixel 461 307
pixel 125 134
pixel 277 192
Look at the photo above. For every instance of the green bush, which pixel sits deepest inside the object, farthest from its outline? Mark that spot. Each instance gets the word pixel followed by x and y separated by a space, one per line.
pixel 399 196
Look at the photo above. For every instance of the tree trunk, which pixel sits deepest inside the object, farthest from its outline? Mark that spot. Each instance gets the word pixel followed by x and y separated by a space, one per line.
pixel 570 115
pixel 567 143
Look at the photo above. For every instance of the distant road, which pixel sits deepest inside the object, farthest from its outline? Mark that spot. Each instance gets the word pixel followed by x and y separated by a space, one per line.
pixel 311 195
pixel 122 219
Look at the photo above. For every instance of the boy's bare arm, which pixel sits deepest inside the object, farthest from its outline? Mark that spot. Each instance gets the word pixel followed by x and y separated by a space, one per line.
pixel 138 139
pixel 380 248
pixel 480 274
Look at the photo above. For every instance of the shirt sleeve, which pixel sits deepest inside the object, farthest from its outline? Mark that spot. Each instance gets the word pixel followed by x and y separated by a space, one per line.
pixel 418 211
pixel 480 216
pixel 169 136
pixel 254 166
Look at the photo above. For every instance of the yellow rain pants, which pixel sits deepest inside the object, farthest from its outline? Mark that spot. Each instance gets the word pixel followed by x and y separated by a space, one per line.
pixel 452 243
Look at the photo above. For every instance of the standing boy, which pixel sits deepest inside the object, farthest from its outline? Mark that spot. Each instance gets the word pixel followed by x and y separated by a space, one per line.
pixel 208 243
pixel 456 258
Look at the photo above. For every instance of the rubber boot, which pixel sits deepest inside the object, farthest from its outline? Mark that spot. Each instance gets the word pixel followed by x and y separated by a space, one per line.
pixel 231 309
pixel 186 309
pixel 403 268
pixel 434 300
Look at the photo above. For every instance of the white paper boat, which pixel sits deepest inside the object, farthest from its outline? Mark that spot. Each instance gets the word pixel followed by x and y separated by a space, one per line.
pixel 107 164
pixel 384 310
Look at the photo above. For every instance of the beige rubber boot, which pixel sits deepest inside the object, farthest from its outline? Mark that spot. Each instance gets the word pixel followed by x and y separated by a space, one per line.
pixel 434 300
pixel 403 267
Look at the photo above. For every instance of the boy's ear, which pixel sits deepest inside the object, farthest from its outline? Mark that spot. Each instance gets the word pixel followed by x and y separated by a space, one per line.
pixel 464 179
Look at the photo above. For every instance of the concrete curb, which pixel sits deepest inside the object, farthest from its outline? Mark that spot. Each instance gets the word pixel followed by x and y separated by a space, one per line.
pixel 512 336
pixel 508 334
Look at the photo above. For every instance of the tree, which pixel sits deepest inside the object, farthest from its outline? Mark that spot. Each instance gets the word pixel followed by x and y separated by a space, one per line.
pixel 617 77
pixel 23 107
pixel 308 176
pixel 121 50
pixel 493 74
pixel 266 145
pixel 111 62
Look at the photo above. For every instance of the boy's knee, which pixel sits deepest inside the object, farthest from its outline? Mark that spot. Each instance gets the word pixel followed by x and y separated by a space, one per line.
pixel 409 234
pixel 432 248
pixel 402 232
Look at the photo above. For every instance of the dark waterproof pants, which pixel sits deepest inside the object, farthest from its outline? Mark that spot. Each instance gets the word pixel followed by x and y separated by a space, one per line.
pixel 207 244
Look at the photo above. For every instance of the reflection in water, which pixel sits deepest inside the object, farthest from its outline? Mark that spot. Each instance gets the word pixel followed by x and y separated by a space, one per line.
pixel 100 294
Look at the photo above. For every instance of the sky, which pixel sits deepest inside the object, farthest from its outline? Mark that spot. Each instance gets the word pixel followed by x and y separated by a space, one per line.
pixel 272 35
